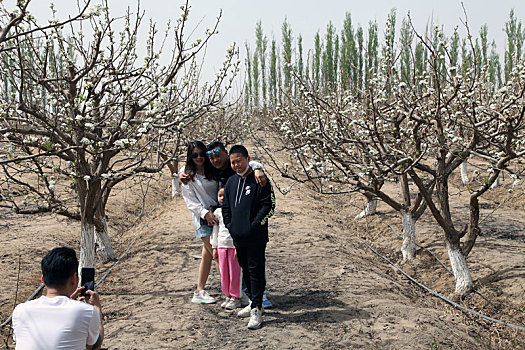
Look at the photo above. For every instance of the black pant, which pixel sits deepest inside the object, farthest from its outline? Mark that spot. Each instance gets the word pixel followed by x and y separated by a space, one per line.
pixel 252 261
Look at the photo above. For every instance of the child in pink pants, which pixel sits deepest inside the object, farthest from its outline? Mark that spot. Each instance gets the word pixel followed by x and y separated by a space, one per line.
pixel 224 250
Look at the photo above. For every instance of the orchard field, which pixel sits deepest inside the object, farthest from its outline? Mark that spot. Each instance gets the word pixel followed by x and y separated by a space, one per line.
pixel 397 160
pixel 328 288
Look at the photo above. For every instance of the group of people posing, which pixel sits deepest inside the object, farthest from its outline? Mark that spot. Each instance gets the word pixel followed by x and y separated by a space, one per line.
pixel 231 201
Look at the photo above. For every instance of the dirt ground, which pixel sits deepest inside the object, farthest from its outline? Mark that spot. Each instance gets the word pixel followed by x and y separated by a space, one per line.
pixel 328 289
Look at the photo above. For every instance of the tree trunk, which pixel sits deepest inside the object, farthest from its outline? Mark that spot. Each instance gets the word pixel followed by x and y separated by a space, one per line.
pixel 464 173
pixel 175 183
pixel 175 186
pixel 460 269
pixel 408 247
pixel 87 244
pixel 370 208
pixel 496 183
pixel 104 248
pixel 473 230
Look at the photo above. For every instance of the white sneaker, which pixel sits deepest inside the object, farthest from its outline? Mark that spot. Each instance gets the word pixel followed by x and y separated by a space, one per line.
pixel 244 299
pixel 234 303
pixel 202 297
pixel 225 302
pixel 246 311
pixel 255 319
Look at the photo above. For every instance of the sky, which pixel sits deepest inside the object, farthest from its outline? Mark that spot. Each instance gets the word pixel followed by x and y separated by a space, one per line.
pixel 305 17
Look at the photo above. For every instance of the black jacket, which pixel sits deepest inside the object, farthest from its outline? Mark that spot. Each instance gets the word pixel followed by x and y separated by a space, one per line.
pixel 221 175
pixel 246 209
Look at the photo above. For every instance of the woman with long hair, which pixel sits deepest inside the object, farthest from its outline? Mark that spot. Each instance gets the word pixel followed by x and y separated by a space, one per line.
pixel 200 194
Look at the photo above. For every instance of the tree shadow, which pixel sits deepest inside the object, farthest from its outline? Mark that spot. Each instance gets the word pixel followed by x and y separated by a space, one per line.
pixel 504 228
pixel 303 306
pixel 497 276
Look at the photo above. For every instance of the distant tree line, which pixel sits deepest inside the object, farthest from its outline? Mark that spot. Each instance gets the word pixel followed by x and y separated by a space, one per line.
pixel 347 59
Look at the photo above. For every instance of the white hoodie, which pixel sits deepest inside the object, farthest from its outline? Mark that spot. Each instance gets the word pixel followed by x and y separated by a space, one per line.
pixel 220 237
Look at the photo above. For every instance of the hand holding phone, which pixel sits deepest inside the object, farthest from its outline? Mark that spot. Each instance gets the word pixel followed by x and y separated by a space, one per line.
pixel 87 280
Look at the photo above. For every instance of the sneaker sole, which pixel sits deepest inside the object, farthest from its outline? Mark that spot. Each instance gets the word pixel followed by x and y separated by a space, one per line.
pixel 202 302
pixel 255 327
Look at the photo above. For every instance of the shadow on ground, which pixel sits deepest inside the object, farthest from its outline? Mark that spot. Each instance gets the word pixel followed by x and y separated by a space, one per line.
pixel 299 306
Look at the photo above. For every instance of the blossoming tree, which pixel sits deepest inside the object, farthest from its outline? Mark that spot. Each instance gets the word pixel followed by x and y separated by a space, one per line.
pixel 420 126
pixel 80 113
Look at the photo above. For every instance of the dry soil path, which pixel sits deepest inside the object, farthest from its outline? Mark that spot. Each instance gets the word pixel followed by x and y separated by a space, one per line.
pixel 329 291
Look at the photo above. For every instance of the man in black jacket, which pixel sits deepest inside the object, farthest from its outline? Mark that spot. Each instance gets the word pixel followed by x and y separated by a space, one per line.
pixel 246 208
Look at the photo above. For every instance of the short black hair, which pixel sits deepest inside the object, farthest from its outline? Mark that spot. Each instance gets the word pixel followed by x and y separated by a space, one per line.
pixel 239 149
pixel 214 145
pixel 58 266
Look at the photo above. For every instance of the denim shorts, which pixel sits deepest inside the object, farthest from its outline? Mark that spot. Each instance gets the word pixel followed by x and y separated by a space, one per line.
pixel 204 231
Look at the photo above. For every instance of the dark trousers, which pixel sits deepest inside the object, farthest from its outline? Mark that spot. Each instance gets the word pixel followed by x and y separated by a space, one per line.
pixel 252 261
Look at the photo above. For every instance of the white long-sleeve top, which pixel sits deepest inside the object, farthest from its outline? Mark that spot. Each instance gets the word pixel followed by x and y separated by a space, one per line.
pixel 220 237
pixel 199 195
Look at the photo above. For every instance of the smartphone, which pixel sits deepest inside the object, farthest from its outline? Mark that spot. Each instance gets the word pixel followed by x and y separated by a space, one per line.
pixel 88 280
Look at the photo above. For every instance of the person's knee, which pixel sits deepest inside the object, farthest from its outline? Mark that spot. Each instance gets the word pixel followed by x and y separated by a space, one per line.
pixel 206 255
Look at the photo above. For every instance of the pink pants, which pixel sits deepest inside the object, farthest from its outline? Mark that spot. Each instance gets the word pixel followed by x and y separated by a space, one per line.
pixel 230 272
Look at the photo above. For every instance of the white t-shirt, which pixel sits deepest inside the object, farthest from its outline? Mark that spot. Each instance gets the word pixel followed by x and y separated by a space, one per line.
pixel 55 323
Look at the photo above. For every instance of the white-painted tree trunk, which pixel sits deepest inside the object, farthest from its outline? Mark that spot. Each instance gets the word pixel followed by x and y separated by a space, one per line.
pixel 464 173
pixel 408 247
pixel 175 186
pixel 87 246
pixel 460 270
pixel 321 172
pixel 496 183
pixel 104 248
pixel 370 209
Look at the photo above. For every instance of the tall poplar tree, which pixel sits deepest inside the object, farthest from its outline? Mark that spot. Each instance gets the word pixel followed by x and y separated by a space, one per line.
pixel 390 33
pixel 300 63
pixel 360 58
pixel 406 38
pixel 484 47
pixel 255 80
pixel 372 53
pixel 316 62
pixel 328 59
pixel 515 37
pixel 248 84
pixel 261 46
pixel 348 61
pixel 273 72
pixel 286 32
pixel 494 66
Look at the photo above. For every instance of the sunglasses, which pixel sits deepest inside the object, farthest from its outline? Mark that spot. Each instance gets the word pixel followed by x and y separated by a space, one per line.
pixel 213 151
pixel 198 154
